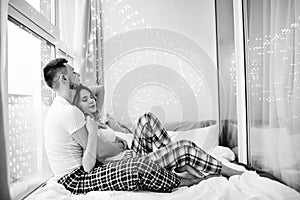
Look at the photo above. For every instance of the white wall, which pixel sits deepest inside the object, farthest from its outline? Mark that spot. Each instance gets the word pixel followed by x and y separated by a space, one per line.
pixel 160 56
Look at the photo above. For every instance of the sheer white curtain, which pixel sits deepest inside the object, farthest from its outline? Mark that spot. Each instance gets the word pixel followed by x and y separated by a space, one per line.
pixel 3 99
pixel 274 72
pixel 87 41
pixel 81 33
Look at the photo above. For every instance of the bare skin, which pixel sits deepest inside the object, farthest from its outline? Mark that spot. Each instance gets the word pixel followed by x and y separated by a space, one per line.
pixel 191 172
pixel 189 181
pixel 192 176
pixel 226 171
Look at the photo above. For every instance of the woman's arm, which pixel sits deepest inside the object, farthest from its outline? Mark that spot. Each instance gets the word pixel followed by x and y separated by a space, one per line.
pixel 90 153
pixel 99 92
pixel 115 125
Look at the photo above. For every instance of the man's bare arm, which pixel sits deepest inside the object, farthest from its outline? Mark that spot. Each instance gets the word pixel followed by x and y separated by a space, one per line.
pixel 90 153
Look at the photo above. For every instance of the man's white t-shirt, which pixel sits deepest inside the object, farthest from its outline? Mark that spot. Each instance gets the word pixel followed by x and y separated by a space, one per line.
pixel 64 153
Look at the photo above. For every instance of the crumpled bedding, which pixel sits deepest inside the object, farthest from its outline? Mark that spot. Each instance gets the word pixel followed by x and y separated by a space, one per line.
pixel 248 186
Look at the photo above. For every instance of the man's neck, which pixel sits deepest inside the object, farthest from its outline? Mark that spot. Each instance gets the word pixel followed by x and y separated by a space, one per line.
pixel 67 95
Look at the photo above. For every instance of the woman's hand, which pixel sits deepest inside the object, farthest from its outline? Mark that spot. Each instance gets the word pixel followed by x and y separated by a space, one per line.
pixel 123 142
pixel 115 125
pixel 102 125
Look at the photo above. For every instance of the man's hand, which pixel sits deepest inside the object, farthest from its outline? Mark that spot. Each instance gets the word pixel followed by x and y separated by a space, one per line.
pixel 91 126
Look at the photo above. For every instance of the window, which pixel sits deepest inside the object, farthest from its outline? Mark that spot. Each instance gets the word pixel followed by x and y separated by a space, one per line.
pixel 28 98
pixel 45 7
pixel 274 92
pixel 33 40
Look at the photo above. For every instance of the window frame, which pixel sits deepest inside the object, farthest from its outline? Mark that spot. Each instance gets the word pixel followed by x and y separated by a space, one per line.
pixel 21 12
pixel 240 57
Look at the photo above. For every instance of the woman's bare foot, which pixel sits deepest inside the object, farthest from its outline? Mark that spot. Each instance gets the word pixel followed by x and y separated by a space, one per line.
pixel 186 175
pixel 194 181
pixel 192 172
pixel 189 181
pixel 227 171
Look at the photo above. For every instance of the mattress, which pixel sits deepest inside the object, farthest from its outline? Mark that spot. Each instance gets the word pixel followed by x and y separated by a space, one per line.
pixel 248 186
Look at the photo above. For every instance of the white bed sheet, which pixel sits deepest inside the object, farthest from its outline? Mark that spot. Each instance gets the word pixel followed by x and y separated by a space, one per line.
pixel 248 186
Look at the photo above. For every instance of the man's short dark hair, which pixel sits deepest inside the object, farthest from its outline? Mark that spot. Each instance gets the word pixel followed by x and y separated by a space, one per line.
pixel 52 69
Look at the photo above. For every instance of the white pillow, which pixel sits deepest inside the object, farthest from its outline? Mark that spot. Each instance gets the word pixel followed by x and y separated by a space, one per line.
pixel 206 138
pixel 223 153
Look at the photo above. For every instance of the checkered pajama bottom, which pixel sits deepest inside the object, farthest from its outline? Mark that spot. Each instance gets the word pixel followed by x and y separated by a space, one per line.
pixel 124 175
pixel 170 155
pixel 184 152
pixel 148 170
pixel 149 132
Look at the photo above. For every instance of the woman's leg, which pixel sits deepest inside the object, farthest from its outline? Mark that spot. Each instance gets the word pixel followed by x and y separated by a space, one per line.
pixel 149 131
pixel 179 154
pixel 185 153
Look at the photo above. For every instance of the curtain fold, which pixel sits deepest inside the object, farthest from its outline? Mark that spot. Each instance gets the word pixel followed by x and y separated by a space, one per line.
pixel 88 41
pixel 81 35
pixel 4 189
pixel 274 66
pixel 67 22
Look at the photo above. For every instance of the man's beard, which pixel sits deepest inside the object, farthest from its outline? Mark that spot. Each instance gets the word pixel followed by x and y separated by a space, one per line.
pixel 73 86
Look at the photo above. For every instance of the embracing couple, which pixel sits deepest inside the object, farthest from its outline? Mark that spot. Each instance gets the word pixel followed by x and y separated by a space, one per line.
pixel 85 158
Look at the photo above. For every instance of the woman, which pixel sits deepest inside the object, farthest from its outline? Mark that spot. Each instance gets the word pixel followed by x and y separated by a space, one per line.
pixel 179 156
pixel 81 100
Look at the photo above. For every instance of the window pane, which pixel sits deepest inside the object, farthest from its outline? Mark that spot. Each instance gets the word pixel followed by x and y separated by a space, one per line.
pixel 45 7
pixel 227 75
pixel 274 88
pixel 28 100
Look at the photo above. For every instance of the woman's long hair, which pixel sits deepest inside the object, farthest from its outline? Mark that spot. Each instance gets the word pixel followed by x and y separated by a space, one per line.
pixel 76 101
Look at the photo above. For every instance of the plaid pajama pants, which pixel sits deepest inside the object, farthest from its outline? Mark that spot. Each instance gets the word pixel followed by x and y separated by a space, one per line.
pixel 132 174
pixel 149 132
pixel 141 168
pixel 170 155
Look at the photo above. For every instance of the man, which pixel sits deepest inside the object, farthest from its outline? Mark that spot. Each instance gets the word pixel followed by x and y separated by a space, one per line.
pixel 69 149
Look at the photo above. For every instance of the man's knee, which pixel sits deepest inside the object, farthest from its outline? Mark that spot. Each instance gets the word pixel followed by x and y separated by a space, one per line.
pixel 146 166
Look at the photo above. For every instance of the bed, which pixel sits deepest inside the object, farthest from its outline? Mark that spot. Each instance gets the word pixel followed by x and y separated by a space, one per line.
pixel 248 186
